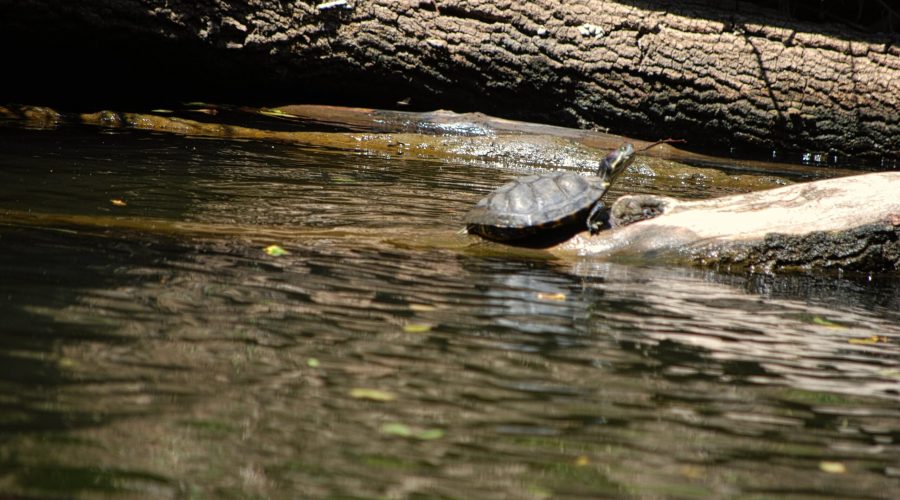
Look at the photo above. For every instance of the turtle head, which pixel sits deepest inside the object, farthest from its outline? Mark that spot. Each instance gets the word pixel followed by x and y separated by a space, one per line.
pixel 616 162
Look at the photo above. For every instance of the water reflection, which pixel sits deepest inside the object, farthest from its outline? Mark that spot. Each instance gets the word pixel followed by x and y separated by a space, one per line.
pixel 814 345
pixel 196 365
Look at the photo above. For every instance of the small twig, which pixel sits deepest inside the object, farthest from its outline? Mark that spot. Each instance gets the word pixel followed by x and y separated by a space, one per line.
pixel 663 141
pixel 334 5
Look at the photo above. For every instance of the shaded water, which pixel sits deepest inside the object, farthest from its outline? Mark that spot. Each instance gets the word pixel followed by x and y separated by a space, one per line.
pixel 155 349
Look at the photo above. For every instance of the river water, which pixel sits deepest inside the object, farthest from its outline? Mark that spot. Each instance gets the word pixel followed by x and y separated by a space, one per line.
pixel 151 347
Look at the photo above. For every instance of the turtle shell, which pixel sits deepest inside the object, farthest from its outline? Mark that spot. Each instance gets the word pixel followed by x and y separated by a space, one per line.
pixel 547 205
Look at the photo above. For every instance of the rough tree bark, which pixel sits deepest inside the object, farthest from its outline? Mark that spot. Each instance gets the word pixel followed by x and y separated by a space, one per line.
pixel 717 75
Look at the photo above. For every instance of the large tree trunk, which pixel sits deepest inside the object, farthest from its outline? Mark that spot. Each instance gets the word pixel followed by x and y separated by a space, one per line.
pixel 717 76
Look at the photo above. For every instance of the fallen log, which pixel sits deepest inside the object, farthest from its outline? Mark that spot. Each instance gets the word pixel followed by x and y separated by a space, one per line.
pixel 439 133
pixel 847 223
pixel 722 74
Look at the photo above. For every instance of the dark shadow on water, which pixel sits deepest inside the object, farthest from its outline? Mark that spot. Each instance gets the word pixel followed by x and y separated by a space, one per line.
pixel 48 271
pixel 67 481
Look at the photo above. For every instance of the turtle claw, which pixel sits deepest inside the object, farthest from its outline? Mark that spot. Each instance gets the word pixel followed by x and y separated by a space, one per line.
pixel 597 218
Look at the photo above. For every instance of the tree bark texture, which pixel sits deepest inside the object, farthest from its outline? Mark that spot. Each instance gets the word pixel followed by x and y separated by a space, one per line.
pixel 720 74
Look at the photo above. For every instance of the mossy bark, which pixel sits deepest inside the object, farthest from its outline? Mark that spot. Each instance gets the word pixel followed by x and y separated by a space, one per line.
pixel 717 75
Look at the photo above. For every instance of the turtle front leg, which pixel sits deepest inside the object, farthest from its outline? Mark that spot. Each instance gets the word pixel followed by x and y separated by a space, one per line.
pixel 596 218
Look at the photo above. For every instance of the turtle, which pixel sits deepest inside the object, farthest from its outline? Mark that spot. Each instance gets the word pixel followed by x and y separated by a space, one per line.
pixel 544 209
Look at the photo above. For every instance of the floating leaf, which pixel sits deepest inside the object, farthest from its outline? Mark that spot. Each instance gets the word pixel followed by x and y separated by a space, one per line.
pixel 429 434
pixel 67 363
pixel 403 430
pixel 416 327
pixel 275 251
pixel 312 362
pixel 373 394
pixel 118 202
pixel 874 339
pixel 582 460
pixel 556 297
pixel 421 307
pixel 818 320
pixel 396 429
pixel 832 467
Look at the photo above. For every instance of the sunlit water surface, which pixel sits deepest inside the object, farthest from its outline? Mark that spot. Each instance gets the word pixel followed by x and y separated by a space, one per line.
pixel 155 349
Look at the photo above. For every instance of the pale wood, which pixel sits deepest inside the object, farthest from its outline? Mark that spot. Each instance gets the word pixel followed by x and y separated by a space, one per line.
pixel 846 217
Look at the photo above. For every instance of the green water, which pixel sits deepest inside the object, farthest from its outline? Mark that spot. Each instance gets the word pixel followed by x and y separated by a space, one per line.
pixel 156 350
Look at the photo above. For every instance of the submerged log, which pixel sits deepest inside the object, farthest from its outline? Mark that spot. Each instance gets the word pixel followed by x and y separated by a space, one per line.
pixel 847 223
pixel 850 222
pixel 441 133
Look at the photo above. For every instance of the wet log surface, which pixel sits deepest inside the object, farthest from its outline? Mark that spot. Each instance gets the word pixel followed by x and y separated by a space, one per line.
pixel 718 74
pixel 848 223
